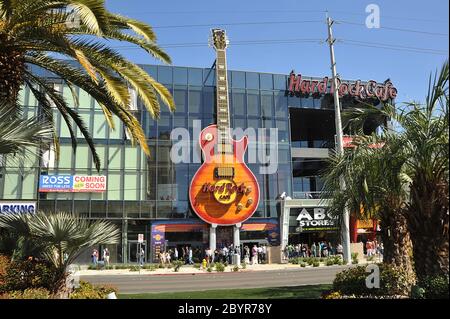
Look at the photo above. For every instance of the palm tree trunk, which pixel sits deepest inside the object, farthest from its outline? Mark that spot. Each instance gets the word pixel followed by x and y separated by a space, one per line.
pixel 396 240
pixel 428 224
pixel 12 66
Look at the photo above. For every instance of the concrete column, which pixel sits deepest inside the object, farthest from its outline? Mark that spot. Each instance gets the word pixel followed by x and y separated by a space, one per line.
pixel 212 237
pixel 237 243
pixel 125 241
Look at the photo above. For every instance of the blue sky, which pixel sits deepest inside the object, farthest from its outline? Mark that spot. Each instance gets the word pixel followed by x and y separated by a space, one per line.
pixel 409 71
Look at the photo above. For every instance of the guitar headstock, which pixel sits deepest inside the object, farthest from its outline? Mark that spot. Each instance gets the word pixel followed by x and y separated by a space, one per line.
pixel 219 39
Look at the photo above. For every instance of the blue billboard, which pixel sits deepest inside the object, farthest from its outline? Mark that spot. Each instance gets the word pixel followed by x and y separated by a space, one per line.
pixel 55 183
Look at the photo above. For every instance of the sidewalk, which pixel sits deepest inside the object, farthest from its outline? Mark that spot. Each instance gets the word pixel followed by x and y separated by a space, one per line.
pixel 188 269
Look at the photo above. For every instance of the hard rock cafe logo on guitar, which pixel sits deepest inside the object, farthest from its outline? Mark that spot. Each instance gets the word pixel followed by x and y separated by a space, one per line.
pixel 225 191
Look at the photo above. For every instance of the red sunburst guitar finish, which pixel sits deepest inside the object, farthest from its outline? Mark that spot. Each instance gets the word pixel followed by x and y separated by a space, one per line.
pixel 224 191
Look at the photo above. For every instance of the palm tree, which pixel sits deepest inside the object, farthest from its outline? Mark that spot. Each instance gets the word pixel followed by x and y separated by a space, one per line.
pixel 37 32
pixel 18 135
pixel 57 237
pixel 413 166
pixel 374 189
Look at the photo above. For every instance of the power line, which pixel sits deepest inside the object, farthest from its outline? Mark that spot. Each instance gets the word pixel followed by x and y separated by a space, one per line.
pixel 394 29
pixel 235 24
pixel 396 46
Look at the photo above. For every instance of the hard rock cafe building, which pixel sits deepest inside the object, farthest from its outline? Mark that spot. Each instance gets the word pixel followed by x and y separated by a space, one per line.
pixel 149 195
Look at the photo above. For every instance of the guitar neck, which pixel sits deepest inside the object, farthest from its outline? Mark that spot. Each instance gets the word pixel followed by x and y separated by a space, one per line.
pixel 223 114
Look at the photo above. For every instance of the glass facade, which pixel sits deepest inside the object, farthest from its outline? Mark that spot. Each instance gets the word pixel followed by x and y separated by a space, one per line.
pixel 141 188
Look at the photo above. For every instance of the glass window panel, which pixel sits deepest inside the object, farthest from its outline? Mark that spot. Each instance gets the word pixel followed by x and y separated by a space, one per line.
pixel 131 209
pixel 164 127
pixel 82 157
pixel 148 209
pixel 252 80
pixel 165 185
pixel 85 99
pixel 131 157
pixel 164 209
pixel 100 125
pixel 47 205
pixel 238 79
pixel 180 209
pixel 114 187
pixel 150 126
pixel 65 160
pixel 180 98
pixel 32 99
pixel 209 77
pixel 282 127
pixel 307 102
pixel 253 103
pixel 21 96
pixel 293 101
pixel 279 82
pixel 68 97
pixel 86 118
pixel 81 196
pixel 152 70
pixel 64 128
pixel 180 76
pixel 195 100
pixel 11 189
pixel 81 207
pixel 281 108
pixel 208 101
pixel 266 81
pixel 131 191
pixel 115 134
pixel 101 152
pixel 182 182
pixel 238 102
pixel 31 160
pixel 164 74
pixel 149 183
pixel 115 209
pixel 98 209
pixel 64 206
pixel 114 157
pixel 267 104
pixel 195 76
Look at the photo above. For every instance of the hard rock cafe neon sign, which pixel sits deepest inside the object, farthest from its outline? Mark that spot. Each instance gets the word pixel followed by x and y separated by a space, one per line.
pixel 225 191
pixel 357 89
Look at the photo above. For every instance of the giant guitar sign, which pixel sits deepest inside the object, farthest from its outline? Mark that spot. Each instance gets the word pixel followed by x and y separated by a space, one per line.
pixel 223 191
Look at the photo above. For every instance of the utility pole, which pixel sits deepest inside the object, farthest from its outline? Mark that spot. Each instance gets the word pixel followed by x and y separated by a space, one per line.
pixel 345 229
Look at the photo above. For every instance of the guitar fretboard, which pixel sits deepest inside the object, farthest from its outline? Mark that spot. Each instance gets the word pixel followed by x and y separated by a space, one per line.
pixel 223 114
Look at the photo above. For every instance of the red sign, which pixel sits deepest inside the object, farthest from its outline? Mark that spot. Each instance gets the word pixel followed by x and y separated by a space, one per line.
pixel 347 142
pixel 382 91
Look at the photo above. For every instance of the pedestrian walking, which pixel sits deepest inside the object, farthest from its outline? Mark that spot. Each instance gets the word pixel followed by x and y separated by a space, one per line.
pixel 94 257
pixel 254 255
pixel 106 256
pixel 175 253
pixel 190 262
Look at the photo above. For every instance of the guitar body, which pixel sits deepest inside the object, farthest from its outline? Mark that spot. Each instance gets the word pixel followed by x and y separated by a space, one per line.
pixel 224 190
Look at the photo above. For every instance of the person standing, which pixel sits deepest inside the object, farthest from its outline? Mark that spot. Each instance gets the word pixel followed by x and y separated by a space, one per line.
pixel 106 256
pixel 247 254
pixel 313 249
pixel 340 249
pixel 175 254
pixel 254 255
pixel 190 256
pixel 264 253
pixel 259 254
pixel 94 257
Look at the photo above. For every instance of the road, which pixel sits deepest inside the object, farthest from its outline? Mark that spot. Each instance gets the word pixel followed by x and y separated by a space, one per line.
pixel 208 281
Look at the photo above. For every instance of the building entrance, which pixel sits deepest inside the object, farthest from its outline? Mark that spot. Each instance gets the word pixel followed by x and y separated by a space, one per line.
pixel 133 251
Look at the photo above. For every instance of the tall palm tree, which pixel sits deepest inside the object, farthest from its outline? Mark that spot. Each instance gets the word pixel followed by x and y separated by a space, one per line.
pixel 18 135
pixel 374 189
pixel 37 32
pixel 415 157
pixel 57 237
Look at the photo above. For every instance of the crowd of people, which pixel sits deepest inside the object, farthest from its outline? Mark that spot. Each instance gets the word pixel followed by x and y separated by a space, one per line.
pixel 319 249
pixel 373 248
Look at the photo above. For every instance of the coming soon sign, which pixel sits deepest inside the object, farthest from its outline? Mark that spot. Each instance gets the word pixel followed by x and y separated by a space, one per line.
pixel 72 183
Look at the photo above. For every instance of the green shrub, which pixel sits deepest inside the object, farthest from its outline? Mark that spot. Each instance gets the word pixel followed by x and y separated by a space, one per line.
pixel 316 264
pixel 433 287
pixel 303 265
pixel 329 261
pixel 244 265
pixel 236 268
pixel 21 275
pixel 220 267
pixel 150 267
pixel 355 262
pixel 134 268
pixel 197 265
pixel 160 266
pixel 209 269
pixel 393 281
pixel 89 291
pixel 355 255
pixel 370 258
pixel 294 261
pixel 177 264
pixel 30 293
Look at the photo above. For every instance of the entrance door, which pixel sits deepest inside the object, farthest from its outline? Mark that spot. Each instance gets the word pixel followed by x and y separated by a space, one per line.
pixel 133 246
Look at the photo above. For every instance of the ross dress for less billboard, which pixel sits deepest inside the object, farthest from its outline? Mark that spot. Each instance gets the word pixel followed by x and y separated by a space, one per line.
pixel 72 183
